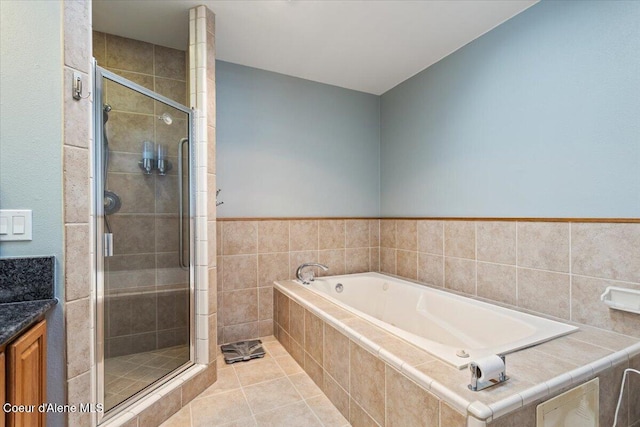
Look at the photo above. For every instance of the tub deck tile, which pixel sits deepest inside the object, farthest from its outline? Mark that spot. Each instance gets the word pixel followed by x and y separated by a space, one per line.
pixel 404 351
pixel 573 351
pixel 535 373
pixel 534 393
pixel 456 381
pixel 364 328
pixel 610 340
pixel 507 405
pixel 535 366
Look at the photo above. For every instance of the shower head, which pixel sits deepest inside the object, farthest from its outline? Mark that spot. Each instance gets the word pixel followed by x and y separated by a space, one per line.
pixel 166 118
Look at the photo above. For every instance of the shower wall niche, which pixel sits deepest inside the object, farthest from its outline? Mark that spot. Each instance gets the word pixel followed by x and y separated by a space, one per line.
pixel 146 290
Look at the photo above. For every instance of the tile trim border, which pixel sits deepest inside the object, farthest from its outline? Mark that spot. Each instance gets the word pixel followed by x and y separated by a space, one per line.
pixel 434 218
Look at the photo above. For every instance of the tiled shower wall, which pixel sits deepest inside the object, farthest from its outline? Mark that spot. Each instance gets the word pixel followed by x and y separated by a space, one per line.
pixel 556 268
pixel 253 254
pixel 146 301
pixel 79 298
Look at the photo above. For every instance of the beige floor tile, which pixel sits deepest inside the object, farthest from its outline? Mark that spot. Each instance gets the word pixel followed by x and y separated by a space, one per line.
pixel 305 385
pixel 160 362
pixel 227 381
pixel 182 418
pixel 244 422
pixel 109 378
pixel 288 365
pixel 119 368
pixel 257 371
pixel 264 392
pixel 326 412
pixel 269 395
pixel 135 387
pixel 296 415
pixel 275 349
pixel 118 385
pixel 221 364
pixel 112 400
pixel 220 409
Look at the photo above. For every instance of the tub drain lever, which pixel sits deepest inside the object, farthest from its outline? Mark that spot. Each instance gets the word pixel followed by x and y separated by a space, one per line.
pixel 487 372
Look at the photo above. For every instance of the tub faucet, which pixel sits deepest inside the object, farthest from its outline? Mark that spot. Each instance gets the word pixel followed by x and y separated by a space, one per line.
pixel 308 277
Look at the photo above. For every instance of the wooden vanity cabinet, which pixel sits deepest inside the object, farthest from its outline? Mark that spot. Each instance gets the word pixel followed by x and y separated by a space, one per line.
pixel 26 375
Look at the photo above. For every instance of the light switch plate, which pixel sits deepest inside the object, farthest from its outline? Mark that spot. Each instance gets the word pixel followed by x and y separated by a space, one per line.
pixel 15 225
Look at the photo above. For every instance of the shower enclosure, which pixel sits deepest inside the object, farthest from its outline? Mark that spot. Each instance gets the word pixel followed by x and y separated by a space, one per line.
pixel 144 234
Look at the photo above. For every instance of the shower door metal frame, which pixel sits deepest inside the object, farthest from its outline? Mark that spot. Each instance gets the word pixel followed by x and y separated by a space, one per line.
pixel 98 213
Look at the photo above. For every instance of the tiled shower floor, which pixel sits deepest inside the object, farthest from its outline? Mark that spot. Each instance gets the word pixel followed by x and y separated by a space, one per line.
pixel 126 375
pixel 272 391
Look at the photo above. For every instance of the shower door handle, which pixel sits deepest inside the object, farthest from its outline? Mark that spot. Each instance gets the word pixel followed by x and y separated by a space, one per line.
pixel 108 244
pixel 184 265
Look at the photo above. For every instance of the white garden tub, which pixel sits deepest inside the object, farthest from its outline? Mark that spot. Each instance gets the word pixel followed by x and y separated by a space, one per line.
pixel 439 322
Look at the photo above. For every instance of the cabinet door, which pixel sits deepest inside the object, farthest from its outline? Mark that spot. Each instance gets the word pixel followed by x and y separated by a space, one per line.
pixel 3 387
pixel 27 376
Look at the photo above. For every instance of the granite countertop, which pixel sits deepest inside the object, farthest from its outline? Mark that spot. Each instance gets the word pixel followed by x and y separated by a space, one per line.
pixel 15 317
pixel 26 293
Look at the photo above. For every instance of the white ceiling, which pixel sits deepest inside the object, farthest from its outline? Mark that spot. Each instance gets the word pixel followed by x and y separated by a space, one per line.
pixel 370 46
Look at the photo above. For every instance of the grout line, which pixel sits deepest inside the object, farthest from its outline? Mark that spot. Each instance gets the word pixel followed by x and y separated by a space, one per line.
pixel 344 228
pixel 190 414
pixel 611 350
pixel 625 282
pixel 288 250
pixel 242 391
pixel 444 264
pixel 570 278
pixel 545 271
pixel 517 286
pixel 475 239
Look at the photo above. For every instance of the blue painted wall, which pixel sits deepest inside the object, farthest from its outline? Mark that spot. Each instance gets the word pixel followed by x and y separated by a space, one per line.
pixel 292 147
pixel 31 122
pixel 31 152
pixel 539 117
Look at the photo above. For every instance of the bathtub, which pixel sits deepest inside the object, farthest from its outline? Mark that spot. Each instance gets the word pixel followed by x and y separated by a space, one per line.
pixel 453 328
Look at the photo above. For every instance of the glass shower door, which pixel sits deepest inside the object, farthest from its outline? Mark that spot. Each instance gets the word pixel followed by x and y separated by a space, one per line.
pixel 145 279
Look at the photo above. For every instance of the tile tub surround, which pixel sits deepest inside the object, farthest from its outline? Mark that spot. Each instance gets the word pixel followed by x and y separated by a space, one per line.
pixel 252 254
pixel 527 264
pixel 336 345
pixel 26 279
pixel 515 262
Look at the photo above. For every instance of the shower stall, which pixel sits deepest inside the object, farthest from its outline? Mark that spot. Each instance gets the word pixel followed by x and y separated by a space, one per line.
pixel 144 208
